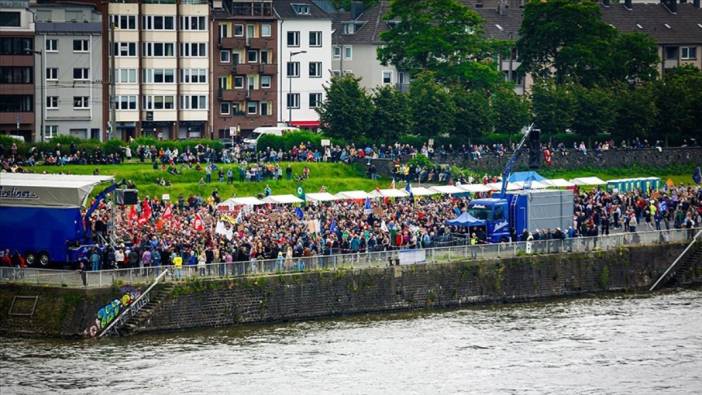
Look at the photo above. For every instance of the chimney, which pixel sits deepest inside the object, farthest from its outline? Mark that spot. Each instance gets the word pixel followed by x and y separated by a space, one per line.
pixel 627 4
pixel 356 9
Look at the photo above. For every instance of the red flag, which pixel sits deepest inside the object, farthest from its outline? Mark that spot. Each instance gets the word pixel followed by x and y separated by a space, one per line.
pixel 145 212
pixel 133 214
pixel 168 214
pixel 197 223
pixel 159 224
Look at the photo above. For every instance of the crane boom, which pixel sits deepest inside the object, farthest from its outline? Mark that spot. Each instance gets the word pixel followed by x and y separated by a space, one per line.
pixel 513 159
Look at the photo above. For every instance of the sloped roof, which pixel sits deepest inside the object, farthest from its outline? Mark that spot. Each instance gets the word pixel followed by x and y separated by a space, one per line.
pixel 369 25
pixel 285 10
pixel 652 18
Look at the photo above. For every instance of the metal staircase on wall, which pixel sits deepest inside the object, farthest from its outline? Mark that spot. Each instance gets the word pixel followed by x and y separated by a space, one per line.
pixel 691 255
pixel 140 310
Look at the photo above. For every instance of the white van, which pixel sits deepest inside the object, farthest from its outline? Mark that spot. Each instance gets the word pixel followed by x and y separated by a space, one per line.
pixel 252 140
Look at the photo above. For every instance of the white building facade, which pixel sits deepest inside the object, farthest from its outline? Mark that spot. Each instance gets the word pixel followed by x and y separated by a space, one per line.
pixel 304 61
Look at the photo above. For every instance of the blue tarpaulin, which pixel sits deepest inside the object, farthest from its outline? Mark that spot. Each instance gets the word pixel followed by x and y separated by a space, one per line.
pixel 466 220
pixel 525 176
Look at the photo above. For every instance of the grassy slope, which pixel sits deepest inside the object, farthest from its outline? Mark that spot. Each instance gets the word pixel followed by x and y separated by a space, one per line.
pixel 336 177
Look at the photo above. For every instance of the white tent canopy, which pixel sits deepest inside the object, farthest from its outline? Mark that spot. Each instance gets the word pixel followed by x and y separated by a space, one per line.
pixel 474 188
pixel 497 186
pixel 559 183
pixel 320 197
pixel 352 195
pixel 533 185
pixel 392 193
pixel 241 201
pixel 588 181
pixel 46 190
pixel 421 191
pixel 282 199
pixel 447 189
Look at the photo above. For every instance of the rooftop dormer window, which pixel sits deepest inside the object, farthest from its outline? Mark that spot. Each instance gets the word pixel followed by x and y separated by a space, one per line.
pixel 348 28
pixel 301 9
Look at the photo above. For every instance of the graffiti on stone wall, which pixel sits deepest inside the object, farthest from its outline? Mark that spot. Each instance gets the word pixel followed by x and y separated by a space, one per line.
pixel 110 311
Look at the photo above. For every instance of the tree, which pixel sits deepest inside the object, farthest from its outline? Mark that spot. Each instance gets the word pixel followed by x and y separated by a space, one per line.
pixel 442 36
pixel 511 111
pixel 432 108
pixel 595 111
pixel 553 107
pixel 347 110
pixel 636 111
pixel 678 96
pixel 392 116
pixel 473 115
pixel 632 57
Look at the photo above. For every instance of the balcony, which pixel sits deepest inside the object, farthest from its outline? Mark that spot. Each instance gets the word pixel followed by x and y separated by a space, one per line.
pixel 233 95
pixel 260 95
pixel 232 42
pixel 261 43
pixel 246 68
pixel 12 118
pixel 268 69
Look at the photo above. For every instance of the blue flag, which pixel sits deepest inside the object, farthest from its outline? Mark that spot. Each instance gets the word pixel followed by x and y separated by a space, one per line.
pixel 332 227
pixel 367 206
pixel 408 188
pixel 697 177
pixel 299 213
pixel 663 207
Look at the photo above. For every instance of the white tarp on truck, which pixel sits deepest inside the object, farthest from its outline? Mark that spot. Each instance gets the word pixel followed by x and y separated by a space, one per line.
pixel 46 190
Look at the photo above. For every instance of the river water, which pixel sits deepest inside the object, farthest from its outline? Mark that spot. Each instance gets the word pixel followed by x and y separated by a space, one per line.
pixel 634 344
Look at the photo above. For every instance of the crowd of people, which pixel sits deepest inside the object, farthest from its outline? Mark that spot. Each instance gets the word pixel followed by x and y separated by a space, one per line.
pixel 195 232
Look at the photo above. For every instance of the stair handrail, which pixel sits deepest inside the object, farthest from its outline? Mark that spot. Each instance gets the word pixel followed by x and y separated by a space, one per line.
pixel 134 303
pixel 665 274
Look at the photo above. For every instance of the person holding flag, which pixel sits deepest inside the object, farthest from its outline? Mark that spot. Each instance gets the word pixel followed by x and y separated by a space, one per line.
pixel 697 176
pixel 408 188
pixel 301 193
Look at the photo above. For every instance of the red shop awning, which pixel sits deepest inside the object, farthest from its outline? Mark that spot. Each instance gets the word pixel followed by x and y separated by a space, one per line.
pixel 305 124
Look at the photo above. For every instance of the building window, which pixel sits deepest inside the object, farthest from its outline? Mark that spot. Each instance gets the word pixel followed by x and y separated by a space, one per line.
pixel 152 49
pixel 265 108
pixel 158 102
pixel 124 22
pixel 238 82
pixel 81 102
pixel 265 58
pixel 315 70
pixel 225 108
pixel 193 23
pixel 348 28
pixel 293 39
pixel 124 49
pixel 126 76
pixel 52 102
pixel 194 102
pixel 80 46
pixel 125 103
pixel 315 100
pixel 159 76
pixel 266 30
pixel 223 30
pixel 337 52
pixel 348 52
pixel 225 56
pixel 193 50
pixel 688 53
pixel 293 69
pixel 251 107
pixel 252 56
pixel 315 39
pixel 301 9
pixel 250 31
pixel 265 81
pixel 16 75
pixel 158 22
pixel 52 73
pixel 51 45
pixel 9 19
pixel 671 53
pixel 81 73
pixel 293 100
pixel 50 131
pixel 387 77
pixel 16 45
pixel 238 30
pixel 193 76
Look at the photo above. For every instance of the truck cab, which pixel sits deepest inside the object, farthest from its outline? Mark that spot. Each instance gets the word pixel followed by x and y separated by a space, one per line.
pixel 495 213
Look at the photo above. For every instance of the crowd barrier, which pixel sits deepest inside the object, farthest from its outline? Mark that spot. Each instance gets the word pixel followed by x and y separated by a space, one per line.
pixel 105 278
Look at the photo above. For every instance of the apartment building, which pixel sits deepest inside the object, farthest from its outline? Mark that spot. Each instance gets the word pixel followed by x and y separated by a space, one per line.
pixel 159 60
pixel 244 84
pixel 305 61
pixel 17 62
pixel 356 40
pixel 69 93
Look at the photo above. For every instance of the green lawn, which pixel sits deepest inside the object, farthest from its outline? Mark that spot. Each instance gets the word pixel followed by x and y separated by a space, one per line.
pixel 335 177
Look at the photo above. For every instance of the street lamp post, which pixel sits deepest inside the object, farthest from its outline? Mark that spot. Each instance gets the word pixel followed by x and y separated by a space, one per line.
pixel 290 83
pixel 43 99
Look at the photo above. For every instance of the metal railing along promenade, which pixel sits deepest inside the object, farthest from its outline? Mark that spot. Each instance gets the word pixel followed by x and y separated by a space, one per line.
pixel 361 260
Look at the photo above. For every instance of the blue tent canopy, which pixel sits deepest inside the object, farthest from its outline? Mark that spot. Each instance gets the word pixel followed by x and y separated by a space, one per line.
pixel 525 176
pixel 466 220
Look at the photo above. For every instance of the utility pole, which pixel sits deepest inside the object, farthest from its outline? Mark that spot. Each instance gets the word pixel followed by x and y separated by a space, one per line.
pixel 299 73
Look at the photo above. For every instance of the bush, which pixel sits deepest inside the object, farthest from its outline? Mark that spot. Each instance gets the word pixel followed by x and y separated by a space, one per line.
pixel 181 145
pixel 413 140
pixel 421 160
pixel 289 140
pixel 113 146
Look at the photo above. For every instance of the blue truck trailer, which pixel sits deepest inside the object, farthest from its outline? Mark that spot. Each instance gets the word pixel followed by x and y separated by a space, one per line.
pixel 506 216
pixel 40 216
